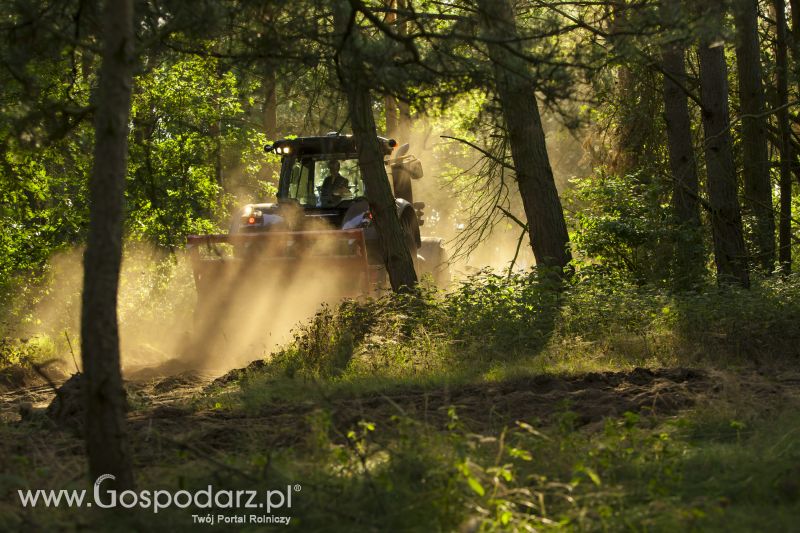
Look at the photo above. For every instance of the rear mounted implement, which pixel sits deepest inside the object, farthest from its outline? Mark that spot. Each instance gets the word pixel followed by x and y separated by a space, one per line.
pixel 226 264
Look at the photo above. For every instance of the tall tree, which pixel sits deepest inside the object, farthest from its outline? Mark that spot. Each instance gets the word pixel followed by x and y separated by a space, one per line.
pixel 105 423
pixel 403 107
pixel 398 112
pixel 516 92
pixel 634 98
pixel 351 70
pixel 689 267
pixel 782 74
pixel 755 158
pixel 794 32
pixel 390 101
pixel 726 219
pixel 269 108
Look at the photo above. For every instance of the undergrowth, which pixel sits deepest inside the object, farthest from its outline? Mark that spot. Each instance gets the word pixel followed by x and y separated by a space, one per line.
pixel 727 467
pixel 493 327
pixel 729 463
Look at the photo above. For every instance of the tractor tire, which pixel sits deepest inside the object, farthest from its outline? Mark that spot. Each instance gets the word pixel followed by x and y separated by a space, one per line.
pixel 434 261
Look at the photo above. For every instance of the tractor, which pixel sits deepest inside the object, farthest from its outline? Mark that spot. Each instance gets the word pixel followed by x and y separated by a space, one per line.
pixel 320 220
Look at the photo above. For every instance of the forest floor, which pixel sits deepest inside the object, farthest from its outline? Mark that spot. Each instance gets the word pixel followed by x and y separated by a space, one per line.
pixel 669 424
pixel 170 403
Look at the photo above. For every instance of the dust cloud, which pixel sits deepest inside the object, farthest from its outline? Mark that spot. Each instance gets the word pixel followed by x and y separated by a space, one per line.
pixel 450 204
pixel 167 326
pixel 249 302
pixel 251 297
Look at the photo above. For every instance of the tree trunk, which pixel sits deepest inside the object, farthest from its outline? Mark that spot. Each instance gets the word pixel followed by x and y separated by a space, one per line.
pixel 795 5
pixel 689 267
pixel 390 102
pixel 390 107
pixel 726 218
pixel 399 262
pixel 270 108
pixel 403 109
pixel 633 120
pixel 403 121
pixel 106 444
pixel 782 74
pixel 516 90
pixel 794 34
pixel 757 184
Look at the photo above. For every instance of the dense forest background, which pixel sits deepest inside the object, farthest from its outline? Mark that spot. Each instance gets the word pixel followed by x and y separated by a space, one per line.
pixel 615 183
pixel 215 83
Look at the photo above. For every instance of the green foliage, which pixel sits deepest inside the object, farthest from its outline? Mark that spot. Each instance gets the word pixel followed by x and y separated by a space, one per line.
pixel 733 323
pixel 196 150
pixel 644 325
pixel 632 471
pixel 490 322
pixel 24 352
pixel 724 467
pixel 187 136
pixel 623 225
pixel 505 314
pixel 193 154
pixel 597 324
pixel 485 319
pixel 42 202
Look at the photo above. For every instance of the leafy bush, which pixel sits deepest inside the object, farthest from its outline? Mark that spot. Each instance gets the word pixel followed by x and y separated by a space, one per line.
pixel 596 322
pixel 759 324
pixel 502 314
pixel 624 225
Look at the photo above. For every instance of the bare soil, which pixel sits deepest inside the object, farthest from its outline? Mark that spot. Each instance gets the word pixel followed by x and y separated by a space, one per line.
pixel 481 407
pixel 162 418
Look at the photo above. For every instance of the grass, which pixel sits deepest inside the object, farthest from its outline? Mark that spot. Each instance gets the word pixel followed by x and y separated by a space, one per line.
pixel 491 328
pixel 728 464
pixel 383 410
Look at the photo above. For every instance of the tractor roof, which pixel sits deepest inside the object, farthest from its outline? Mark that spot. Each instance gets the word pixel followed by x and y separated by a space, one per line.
pixel 332 143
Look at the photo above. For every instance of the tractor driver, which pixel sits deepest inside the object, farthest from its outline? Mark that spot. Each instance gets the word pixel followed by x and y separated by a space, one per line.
pixel 335 184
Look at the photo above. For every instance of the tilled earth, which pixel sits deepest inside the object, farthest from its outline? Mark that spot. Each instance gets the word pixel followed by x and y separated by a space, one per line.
pixel 481 407
pixel 176 427
pixel 161 410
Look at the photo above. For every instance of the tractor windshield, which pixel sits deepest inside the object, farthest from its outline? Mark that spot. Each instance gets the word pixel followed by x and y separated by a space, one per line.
pixel 323 181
